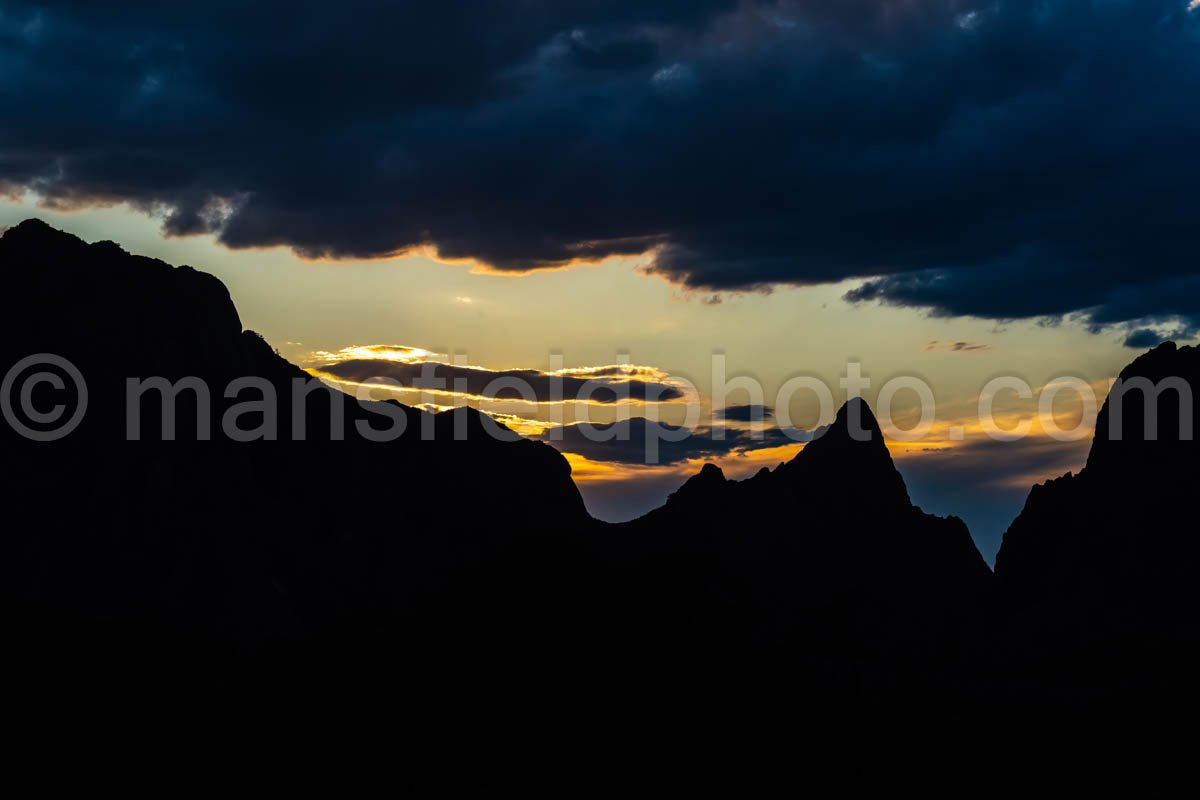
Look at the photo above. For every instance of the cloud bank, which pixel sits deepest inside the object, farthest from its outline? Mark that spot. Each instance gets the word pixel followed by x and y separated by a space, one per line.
pixel 1011 159
pixel 414 368
pixel 641 441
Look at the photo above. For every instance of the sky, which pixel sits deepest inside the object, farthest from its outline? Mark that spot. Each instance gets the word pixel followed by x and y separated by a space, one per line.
pixel 950 190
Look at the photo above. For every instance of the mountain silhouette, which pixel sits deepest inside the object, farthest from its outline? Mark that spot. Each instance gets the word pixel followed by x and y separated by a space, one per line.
pixel 439 615
pixel 1101 565
pixel 833 529
pixel 1107 550
pixel 236 569
pixel 118 316
pixel 1096 603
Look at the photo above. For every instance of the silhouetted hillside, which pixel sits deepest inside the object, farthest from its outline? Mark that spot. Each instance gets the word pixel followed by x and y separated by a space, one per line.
pixel 330 614
pixel 154 584
pixel 1111 550
pixel 117 316
pixel 832 537
pixel 1097 604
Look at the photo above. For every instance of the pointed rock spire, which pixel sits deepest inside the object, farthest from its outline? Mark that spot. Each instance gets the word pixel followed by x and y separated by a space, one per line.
pixel 699 486
pixel 850 460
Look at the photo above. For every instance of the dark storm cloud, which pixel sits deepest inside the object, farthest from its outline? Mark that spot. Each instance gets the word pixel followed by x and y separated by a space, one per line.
pixel 642 441
pixel 747 413
pixel 1021 158
pixel 1144 339
pixel 605 385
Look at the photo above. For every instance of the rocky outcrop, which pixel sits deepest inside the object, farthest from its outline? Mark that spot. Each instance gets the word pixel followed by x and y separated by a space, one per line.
pixel 1111 551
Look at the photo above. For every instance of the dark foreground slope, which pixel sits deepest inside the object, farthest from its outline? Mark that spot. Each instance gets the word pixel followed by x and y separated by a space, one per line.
pixel 840 622
pixel 240 539
pixel 1113 550
pixel 179 613
pixel 1097 622
pixel 439 615
pixel 831 546
pixel 219 617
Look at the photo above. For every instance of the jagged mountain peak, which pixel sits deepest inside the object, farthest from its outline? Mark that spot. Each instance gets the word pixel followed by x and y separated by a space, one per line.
pixel 710 478
pixel 1141 431
pixel 1110 547
pixel 115 315
pixel 35 233
pixel 33 227
pixel 850 460
pixel 855 424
